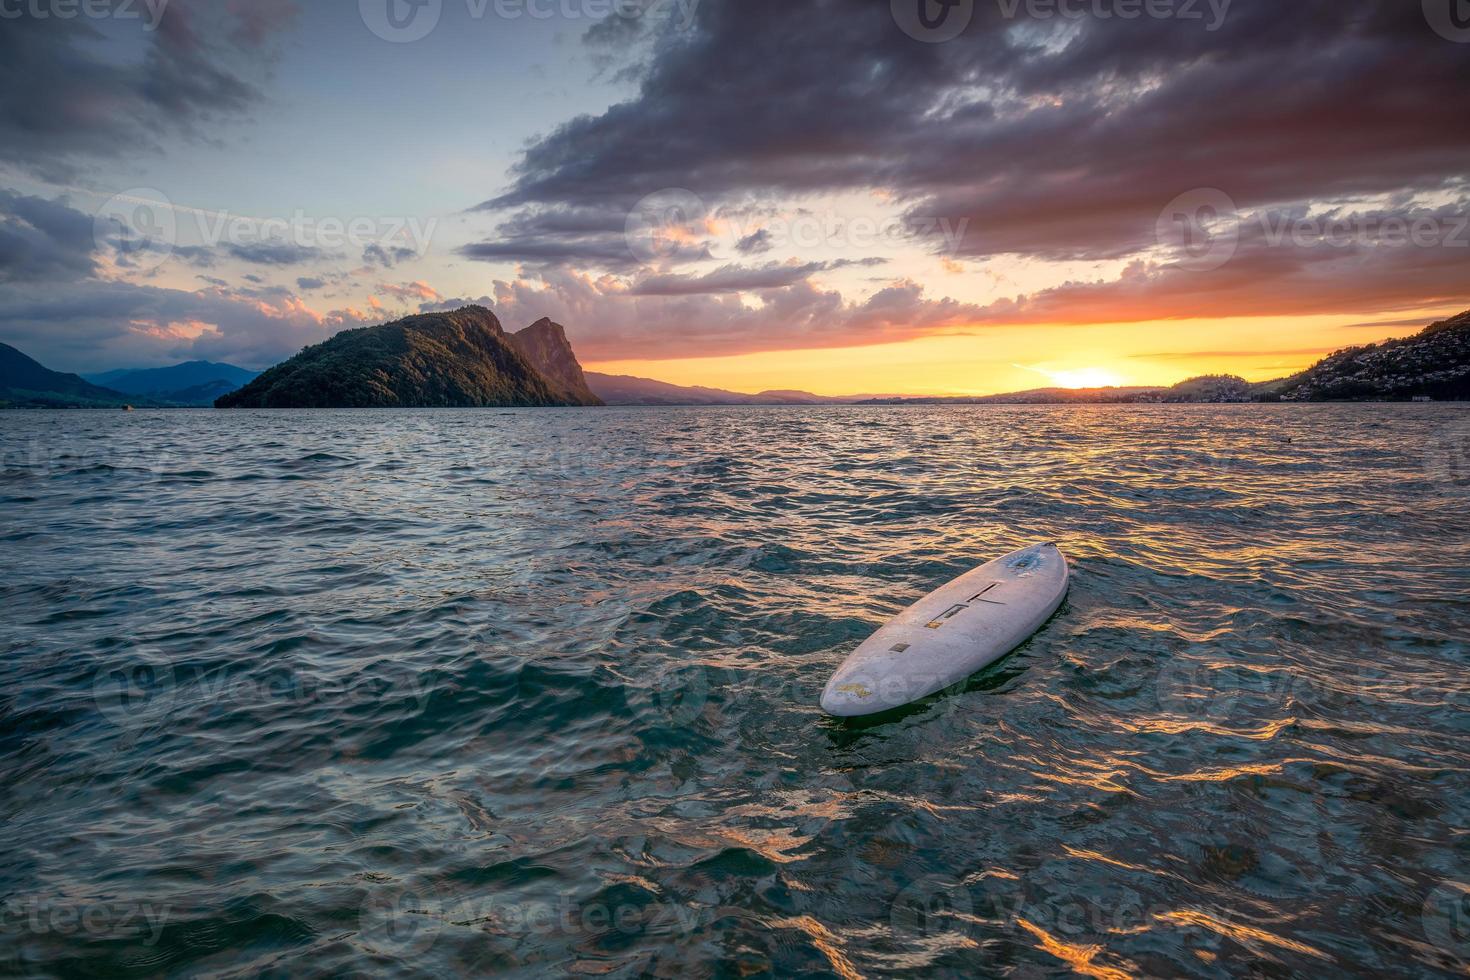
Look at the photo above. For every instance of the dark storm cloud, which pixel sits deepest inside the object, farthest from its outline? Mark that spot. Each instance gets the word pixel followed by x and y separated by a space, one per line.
pixel 610 252
pixel 737 278
pixel 44 240
pixel 754 243
pixel 387 257
pixel 610 39
pixel 62 104
pixel 617 45
pixel 273 253
pixel 763 94
pixel 199 256
pixel 574 236
pixel 1361 261
pixel 1057 139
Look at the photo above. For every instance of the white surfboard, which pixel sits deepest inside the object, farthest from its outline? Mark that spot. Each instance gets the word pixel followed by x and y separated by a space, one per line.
pixel 950 633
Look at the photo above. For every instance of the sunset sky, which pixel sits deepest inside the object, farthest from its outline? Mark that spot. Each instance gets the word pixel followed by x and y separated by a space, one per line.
pixel 750 194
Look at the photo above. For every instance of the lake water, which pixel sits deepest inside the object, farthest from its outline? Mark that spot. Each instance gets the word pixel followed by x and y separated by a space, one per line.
pixel 535 691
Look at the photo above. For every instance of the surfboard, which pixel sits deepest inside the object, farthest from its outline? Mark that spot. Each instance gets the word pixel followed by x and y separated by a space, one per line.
pixel 951 633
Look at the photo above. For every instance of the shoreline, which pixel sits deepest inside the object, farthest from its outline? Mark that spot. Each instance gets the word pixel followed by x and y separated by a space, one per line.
pixel 135 409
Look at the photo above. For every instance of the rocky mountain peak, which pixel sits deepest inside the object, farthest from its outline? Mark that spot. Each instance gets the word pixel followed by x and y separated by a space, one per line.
pixel 544 343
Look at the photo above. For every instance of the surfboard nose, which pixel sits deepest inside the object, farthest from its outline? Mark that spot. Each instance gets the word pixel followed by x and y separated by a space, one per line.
pixel 848 699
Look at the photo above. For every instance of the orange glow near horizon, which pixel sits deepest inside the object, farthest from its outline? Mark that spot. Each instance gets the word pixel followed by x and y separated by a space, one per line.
pixel 987 360
pixel 1078 378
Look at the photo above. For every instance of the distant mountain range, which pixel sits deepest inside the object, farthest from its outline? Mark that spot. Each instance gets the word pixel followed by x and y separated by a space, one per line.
pixel 462 359
pixel 191 384
pixel 26 384
pixel 1214 388
pixel 622 389
pixel 465 358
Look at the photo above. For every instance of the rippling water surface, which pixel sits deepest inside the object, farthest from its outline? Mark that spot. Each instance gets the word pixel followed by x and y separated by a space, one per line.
pixel 488 691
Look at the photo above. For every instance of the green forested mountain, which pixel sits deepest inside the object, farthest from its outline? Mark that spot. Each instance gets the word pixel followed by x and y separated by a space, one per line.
pixel 1434 363
pixel 458 359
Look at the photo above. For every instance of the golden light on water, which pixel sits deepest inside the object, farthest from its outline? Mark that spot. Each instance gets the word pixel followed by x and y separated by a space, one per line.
pixel 1077 956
